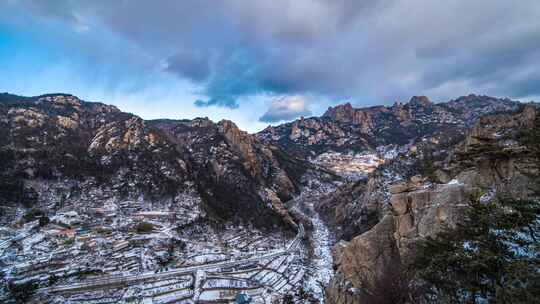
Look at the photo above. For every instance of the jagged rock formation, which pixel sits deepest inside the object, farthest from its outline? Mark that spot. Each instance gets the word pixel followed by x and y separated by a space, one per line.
pixel 236 174
pixel 492 159
pixel 344 128
pixel 354 208
pixel 362 262
pixel 57 148
pixel 494 152
pixel 418 213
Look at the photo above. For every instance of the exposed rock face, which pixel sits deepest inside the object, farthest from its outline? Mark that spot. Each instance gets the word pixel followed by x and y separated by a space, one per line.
pixel 424 212
pixel 237 175
pixel 60 142
pixel 344 128
pixel 494 154
pixel 242 143
pixel 420 101
pixel 491 159
pixel 364 118
pixel 490 129
pixel 375 257
pixel 362 261
pixel 353 208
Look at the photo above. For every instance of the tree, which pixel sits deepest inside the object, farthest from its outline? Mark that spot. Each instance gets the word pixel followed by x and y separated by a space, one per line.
pixel 491 256
pixel 144 227
pixel 33 214
pixel 53 279
pixel 44 220
pixel 288 299
pixel 22 292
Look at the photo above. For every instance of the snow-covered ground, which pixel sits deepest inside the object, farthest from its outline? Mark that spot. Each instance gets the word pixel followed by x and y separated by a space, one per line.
pixel 319 268
pixel 352 166
pixel 101 241
pixel 322 256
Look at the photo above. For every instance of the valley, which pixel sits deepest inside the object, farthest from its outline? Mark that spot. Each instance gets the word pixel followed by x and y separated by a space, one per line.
pixel 269 152
pixel 101 206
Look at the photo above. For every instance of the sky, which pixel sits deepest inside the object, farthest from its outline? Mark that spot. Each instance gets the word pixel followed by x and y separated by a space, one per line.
pixel 263 62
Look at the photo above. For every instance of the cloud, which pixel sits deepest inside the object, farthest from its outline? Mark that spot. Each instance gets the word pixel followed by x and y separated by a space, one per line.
pixel 366 51
pixel 190 64
pixel 286 108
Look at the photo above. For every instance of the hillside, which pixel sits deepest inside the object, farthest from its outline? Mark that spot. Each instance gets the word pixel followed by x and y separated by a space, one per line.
pixel 57 148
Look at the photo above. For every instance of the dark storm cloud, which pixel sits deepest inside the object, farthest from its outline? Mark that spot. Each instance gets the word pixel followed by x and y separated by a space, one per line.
pixel 191 64
pixel 369 51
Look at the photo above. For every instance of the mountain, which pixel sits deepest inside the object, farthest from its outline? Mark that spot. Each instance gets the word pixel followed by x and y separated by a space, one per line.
pixel 235 173
pixel 495 159
pixel 347 129
pixel 108 193
pixel 57 149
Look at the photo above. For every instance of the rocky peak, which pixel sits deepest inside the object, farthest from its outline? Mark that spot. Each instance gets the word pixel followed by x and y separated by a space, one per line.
pixel 60 99
pixel 233 134
pixel 202 122
pixel 343 112
pixel 421 101
pixel 473 106
pixel 346 129
pixel 242 143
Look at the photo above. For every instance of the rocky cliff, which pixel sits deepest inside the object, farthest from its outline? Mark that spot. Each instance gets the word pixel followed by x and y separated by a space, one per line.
pixel 494 158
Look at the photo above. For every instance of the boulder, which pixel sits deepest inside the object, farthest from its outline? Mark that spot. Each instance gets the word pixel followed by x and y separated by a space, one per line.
pixel 400 203
pixel 398 188
pixel 405 225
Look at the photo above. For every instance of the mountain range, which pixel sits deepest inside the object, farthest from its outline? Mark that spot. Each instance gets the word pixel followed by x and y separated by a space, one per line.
pixel 392 171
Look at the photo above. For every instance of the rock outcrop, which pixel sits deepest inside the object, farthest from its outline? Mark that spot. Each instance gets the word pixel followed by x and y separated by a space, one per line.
pixel 419 212
pixel 362 262
pixel 493 159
